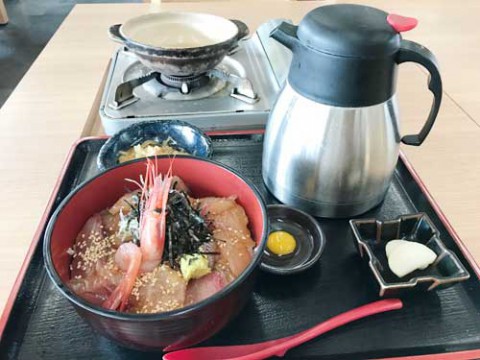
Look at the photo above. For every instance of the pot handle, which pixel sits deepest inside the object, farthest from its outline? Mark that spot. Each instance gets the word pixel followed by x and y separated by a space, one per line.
pixel 411 51
pixel 243 30
pixel 286 34
pixel 115 34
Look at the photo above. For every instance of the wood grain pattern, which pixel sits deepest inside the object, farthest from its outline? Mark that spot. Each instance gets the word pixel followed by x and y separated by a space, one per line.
pixel 57 101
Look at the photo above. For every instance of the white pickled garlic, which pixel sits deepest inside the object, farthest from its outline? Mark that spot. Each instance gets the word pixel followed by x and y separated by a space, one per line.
pixel 405 256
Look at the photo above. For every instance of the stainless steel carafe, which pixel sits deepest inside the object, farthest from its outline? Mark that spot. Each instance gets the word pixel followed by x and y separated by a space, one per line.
pixel 333 136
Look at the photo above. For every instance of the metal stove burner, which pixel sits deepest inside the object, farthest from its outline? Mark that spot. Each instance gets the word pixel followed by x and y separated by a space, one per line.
pixel 183 87
pixel 184 83
pixel 181 91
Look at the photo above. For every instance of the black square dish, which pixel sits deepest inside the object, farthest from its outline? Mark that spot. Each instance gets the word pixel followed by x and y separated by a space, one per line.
pixel 371 237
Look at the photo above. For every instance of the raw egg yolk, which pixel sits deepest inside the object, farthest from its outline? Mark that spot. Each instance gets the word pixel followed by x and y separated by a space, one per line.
pixel 281 243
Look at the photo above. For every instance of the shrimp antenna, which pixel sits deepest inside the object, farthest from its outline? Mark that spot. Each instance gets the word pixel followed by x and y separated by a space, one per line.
pixel 137 183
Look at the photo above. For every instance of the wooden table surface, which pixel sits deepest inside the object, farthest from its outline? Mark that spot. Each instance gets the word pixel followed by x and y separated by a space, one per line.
pixel 57 102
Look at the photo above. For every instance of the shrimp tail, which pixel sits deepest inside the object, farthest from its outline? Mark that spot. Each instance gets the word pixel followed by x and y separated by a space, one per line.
pixel 115 300
pixel 129 258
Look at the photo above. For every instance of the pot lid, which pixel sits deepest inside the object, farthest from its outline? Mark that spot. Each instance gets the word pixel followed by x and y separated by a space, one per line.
pixel 350 30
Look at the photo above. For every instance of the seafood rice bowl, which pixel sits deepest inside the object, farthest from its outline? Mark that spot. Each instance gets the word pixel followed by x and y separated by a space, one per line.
pixel 158 253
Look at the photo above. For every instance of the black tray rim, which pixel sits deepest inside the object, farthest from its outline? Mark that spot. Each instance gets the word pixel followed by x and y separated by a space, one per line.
pixel 456 355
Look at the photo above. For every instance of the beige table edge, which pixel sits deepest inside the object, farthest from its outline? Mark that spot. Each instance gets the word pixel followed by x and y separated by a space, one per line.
pixel 46 114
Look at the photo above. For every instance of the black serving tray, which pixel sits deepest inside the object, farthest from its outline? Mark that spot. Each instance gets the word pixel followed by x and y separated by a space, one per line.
pixel 42 324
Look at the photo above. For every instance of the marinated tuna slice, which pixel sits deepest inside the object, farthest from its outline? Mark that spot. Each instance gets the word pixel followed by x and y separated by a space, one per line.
pixel 162 289
pixel 206 286
pixel 230 230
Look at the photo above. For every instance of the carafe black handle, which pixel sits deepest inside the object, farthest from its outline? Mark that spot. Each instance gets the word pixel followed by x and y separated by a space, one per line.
pixel 411 51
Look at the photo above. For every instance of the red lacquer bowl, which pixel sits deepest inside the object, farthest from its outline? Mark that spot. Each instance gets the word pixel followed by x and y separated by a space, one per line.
pixel 175 329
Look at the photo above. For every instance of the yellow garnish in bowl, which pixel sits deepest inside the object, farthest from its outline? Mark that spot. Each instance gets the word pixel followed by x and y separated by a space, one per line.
pixel 194 266
pixel 281 243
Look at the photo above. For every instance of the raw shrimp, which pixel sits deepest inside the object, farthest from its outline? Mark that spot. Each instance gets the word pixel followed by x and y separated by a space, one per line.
pixel 153 218
pixel 130 257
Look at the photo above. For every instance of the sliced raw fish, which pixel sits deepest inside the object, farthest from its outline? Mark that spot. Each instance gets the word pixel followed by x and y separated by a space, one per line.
pixel 206 286
pixel 111 223
pixel 230 230
pixel 94 274
pixel 125 203
pixel 211 251
pixel 90 236
pixel 236 252
pixel 162 289
pixel 97 286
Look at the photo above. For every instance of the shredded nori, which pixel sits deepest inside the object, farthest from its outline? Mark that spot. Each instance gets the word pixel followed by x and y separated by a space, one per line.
pixel 186 229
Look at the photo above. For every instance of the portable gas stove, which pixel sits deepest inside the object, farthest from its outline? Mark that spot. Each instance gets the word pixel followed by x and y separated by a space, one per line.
pixel 238 94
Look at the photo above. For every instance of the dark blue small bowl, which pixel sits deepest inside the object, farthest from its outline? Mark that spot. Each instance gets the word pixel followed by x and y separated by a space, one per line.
pixel 188 137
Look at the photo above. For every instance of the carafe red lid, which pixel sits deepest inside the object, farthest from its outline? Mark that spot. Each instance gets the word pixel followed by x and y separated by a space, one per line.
pixel 353 30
